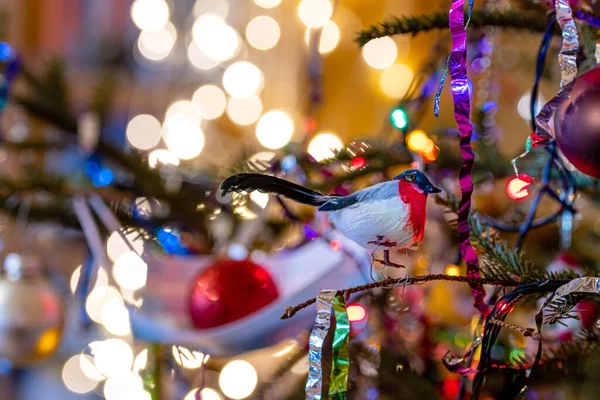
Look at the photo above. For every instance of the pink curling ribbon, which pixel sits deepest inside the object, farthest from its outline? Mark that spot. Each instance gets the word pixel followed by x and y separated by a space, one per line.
pixel 462 110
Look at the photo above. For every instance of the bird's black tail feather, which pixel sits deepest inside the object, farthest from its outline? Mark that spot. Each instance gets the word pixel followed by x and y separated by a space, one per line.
pixel 266 183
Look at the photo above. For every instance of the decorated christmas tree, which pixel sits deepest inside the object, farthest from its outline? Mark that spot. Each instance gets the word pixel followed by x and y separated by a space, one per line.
pixel 275 230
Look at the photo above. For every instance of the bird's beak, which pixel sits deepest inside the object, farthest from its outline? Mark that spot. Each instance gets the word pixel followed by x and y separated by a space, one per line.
pixel 433 189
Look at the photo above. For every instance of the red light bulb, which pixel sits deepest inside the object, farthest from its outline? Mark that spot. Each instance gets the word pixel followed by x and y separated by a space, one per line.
pixel 517 188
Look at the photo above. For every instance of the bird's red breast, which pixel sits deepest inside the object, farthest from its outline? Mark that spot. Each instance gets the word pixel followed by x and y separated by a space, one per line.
pixel 416 200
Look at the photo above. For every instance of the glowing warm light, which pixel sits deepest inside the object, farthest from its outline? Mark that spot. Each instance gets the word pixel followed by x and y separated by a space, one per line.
pixel 356 312
pixel 205 394
pixel 219 7
pixel 517 188
pixel 183 137
pixel 157 45
pixel 141 361
pixel 267 3
pixel 262 199
pixel 130 271
pixel 274 129
pixel 183 109
pixel 124 386
pixel 162 157
pixel 101 278
pixel 242 79
pixel 149 15
pixel 210 100
pixel 215 38
pixel 143 132
pixel 48 342
pixel 74 378
pixel 199 59
pixel 262 32
pixel 262 160
pixel 116 245
pixel 97 299
pixel 325 145
pixel 244 213
pixel 238 379
pixel 417 140
pixel 330 37
pixel 452 270
pixel 395 80
pixel 115 318
pixel 315 13
pixel 380 53
pixel 188 359
pixel 244 110
pixel 113 357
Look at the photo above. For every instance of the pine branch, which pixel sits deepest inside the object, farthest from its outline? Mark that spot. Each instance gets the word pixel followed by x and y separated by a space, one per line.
pixel 439 20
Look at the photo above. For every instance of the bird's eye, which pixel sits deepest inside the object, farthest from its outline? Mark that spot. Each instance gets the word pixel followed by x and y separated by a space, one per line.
pixel 410 177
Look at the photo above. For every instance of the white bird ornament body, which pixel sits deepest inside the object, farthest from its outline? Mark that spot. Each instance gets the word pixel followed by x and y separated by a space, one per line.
pixel 388 215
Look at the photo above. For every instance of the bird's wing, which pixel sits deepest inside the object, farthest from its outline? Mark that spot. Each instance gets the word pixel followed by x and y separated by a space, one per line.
pixel 380 191
pixel 337 203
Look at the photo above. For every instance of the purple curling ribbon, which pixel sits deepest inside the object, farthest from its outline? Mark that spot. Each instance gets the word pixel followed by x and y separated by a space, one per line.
pixel 462 110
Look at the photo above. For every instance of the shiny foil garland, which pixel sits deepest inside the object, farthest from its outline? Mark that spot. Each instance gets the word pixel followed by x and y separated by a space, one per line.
pixel 462 111
pixel 567 59
pixel 331 310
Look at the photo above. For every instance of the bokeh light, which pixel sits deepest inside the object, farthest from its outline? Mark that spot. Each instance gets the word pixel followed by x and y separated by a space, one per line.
pixel 115 317
pixel 123 386
pixel 150 15
pixel 262 32
pixel 452 270
pixel 244 110
pixel 238 379
pixel 260 198
pixel 186 358
pixel 267 3
pixel 242 79
pixel 524 104
pixel 185 109
pixel 380 53
pixel 88 367
pixel 395 80
pixel 210 100
pixel 215 37
pixel 274 129
pixel 116 245
pixel 325 145
pixel 74 378
pixel 183 137
pixel 143 132
pixel 205 394
pixel 113 357
pixel 330 37
pixel 130 271
pixel 157 45
pixel 101 278
pixel 97 299
pixel 315 13
pixel 141 361
pixel 417 140
pixel 199 59
pixel 219 7
pixel 162 157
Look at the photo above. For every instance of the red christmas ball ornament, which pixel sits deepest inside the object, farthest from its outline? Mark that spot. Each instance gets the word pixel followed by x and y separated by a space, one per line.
pixel 228 291
pixel 577 124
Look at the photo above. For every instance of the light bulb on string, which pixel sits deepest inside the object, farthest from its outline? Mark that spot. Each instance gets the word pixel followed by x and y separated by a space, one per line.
pixel 399 118
pixel 517 187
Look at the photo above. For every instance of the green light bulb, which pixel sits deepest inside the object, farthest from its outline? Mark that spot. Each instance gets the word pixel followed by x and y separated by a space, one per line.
pixel 399 118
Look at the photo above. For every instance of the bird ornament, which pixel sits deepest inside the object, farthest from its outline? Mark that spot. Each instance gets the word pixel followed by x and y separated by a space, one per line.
pixel 388 215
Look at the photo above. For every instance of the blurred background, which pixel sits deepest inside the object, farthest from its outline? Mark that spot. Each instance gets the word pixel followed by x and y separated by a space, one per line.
pixel 125 277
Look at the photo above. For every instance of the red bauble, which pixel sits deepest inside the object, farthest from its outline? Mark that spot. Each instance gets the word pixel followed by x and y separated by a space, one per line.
pixel 577 124
pixel 229 290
